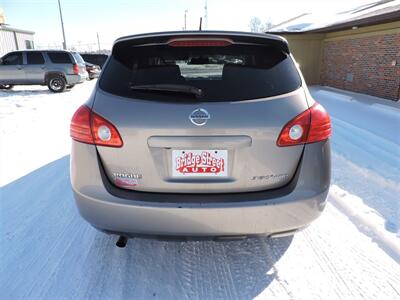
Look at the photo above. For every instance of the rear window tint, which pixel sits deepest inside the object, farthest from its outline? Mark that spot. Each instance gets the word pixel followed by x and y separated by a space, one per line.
pixel 59 57
pixel 78 58
pixel 235 72
pixel 34 58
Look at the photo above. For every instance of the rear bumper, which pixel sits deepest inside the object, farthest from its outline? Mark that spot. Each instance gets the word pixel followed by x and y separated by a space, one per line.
pixel 75 79
pixel 256 213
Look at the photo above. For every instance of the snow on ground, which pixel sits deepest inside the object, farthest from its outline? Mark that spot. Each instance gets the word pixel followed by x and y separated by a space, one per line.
pixel 48 252
pixel 366 149
pixel 34 127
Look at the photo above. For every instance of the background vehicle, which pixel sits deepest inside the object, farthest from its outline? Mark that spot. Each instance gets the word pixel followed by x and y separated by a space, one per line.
pixel 97 59
pixel 93 70
pixel 55 68
pixel 200 134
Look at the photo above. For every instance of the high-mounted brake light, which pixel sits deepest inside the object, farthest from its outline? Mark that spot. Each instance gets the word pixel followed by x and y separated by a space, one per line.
pixel 312 125
pixel 75 68
pixel 91 128
pixel 199 42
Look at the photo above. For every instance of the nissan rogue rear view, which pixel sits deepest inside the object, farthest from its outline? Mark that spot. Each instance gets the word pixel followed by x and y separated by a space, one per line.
pixel 200 134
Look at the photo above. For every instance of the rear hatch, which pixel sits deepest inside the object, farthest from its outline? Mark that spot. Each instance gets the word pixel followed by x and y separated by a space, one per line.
pixel 80 62
pixel 200 112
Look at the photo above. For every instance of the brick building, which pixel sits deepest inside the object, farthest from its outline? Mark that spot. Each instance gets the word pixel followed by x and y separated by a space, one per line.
pixel 360 53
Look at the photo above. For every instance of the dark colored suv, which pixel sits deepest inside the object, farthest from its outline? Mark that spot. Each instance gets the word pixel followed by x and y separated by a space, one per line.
pixel 57 69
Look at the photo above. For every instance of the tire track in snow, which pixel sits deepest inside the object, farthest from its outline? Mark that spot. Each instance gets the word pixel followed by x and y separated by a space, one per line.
pixel 187 275
pixel 226 270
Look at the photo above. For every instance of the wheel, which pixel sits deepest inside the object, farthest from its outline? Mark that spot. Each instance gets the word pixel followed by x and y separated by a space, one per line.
pixel 6 86
pixel 70 86
pixel 57 84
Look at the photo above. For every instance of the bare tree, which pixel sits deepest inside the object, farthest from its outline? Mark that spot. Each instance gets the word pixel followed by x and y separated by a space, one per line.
pixel 256 25
pixel 267 25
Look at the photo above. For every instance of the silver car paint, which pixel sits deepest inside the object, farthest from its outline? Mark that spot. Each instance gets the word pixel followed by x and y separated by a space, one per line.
pixel 215 214
pixel 29 74
pixel 108 212
pixel 12 74
pixel 140 122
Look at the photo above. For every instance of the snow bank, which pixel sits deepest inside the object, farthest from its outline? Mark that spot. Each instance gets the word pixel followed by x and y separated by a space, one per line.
pixel 366 219
pixel 365 149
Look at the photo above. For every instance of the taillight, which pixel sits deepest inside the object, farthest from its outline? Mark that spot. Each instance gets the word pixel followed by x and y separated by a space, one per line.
pixel 312 125
pixel 199 42
pixel 90 128
pixel 80 125
pixel 105 133
pixel 75 68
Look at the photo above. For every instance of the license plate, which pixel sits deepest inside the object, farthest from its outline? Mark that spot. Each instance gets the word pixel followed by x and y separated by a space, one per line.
pixel 199 163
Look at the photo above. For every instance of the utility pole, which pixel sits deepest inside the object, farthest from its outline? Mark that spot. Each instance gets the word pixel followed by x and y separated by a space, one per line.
pixel 205 16
pixel 184 27
pixel 62 27
pixel 98 41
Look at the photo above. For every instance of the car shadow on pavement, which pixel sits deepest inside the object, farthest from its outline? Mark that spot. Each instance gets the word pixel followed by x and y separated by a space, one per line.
pixel 27 92
pixel 49 251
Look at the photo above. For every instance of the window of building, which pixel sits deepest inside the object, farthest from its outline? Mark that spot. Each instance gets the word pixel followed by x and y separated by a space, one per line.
pixel 28 44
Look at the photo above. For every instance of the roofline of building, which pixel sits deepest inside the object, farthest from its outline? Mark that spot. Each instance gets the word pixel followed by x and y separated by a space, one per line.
pixel 6 28
pixel 373 20
pixel 287 21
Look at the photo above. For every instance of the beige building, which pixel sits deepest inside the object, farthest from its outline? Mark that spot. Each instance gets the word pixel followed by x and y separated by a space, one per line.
pixel 12 39
pixel 360 54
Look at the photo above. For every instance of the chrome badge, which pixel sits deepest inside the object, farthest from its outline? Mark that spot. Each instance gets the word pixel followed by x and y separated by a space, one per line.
pixel 199 117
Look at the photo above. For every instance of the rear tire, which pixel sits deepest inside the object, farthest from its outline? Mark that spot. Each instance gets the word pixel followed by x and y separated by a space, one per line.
pixel 6 86
pixel 57 84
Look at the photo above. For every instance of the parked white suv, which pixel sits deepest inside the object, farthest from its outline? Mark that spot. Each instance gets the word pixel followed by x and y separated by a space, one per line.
pixel 57 69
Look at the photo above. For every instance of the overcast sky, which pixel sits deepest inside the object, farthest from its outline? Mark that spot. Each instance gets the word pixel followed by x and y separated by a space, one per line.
pixel 115 18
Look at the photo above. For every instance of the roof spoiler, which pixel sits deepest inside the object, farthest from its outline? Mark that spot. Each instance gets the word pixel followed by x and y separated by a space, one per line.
pixel 163 38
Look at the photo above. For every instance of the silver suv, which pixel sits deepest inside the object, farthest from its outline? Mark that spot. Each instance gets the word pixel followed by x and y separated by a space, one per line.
pixel 200 134
pixel 55 68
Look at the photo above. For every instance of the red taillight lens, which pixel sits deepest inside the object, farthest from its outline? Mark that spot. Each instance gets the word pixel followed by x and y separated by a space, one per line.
pixel 199 42
pixel 75 68
pixel 105 133
pixel 90 128
pixel 303 121
pixel 312 125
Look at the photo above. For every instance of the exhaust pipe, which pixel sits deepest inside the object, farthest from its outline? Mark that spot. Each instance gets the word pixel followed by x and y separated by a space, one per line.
pixel 122 241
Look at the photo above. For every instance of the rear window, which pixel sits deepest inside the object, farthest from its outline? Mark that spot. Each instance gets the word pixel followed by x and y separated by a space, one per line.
pixel 78 58
pixel 59 57
pixel 231 73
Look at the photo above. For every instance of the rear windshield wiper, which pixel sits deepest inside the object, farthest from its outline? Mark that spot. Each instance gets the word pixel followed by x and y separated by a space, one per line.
pixel 169 88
